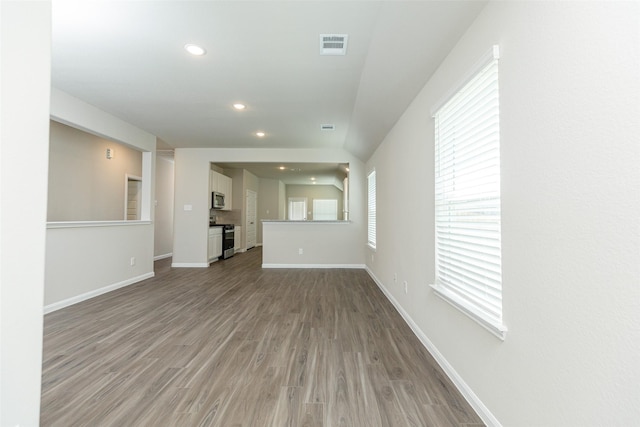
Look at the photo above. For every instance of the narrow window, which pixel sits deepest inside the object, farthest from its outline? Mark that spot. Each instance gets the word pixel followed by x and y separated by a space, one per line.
pixel 467 199
pixel 371 209
pixel 297 208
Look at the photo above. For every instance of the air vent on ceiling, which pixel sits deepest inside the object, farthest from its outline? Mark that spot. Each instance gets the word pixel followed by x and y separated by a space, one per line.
pixel 333 44
pixel 327 127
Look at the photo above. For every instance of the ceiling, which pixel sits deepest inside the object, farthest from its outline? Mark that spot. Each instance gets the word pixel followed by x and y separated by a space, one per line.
pixel 128 59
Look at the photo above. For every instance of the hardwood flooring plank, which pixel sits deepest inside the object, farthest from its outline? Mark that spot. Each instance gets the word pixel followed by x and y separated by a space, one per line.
pixel 363 404
pixel 313 415
pixel 315 385
pixel 236 345
pixel 338 407
pixel 288 409
pixel 389 408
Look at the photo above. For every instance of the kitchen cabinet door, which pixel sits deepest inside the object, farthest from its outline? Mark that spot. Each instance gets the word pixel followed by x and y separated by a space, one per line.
pixel 211 250
pixel 215 243
pixel 237 242
pixel 226 187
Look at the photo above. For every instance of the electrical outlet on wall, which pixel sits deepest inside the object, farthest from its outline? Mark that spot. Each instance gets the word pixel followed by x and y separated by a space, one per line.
pixel 300 251
pixel 406 287
pixel 132 261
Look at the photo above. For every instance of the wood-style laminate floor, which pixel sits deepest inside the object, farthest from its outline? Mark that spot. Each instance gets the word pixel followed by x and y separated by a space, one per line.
pixel 236 345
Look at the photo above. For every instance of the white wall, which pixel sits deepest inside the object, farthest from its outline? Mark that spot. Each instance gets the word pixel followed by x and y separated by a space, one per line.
pixel 570 136
pixel 191 189
pixel 324 245
pixel 85 260
pixel 25 58
pixel 163 223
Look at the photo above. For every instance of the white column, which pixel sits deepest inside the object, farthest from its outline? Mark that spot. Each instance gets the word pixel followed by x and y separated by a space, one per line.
pixel 25 80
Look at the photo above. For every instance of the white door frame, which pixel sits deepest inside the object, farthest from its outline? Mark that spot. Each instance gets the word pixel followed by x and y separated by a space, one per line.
pixel 128 178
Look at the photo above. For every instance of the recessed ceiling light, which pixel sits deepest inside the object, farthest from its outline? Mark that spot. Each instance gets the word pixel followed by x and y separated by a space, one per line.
pixel 282 168
pixel 313 178
pixel 259 134
pixel 195 49
pixel 239 106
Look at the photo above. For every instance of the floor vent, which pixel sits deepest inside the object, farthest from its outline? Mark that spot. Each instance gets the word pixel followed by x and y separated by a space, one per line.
pixel 327 127
pixel 333 44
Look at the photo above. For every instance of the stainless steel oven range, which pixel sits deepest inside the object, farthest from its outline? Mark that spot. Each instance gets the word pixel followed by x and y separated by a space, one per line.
pixel 228 240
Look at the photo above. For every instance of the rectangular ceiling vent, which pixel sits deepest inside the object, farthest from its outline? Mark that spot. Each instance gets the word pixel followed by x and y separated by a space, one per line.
pixel 327 127
pixel 333 44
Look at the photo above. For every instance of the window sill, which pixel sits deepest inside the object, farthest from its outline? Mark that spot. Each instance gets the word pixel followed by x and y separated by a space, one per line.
pixel 497 329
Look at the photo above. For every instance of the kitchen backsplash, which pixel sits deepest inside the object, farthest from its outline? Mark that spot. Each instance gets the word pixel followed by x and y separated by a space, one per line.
pixel 227 217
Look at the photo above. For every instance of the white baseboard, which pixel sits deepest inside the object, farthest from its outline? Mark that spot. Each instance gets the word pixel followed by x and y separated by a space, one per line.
pixel 359 266
pixel 483 412
pixel 190 264
pixel 92 294
pixel 159 257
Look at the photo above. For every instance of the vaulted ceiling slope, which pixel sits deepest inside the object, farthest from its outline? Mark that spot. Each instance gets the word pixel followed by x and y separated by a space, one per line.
pixel 128 58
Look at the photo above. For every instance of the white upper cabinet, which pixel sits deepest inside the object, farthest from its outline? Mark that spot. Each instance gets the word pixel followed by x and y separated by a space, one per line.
pixel 221 184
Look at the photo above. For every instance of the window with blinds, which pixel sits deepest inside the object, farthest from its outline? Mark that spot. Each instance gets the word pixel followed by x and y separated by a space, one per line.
pixel 467 199
pixel 371 209
pixel 325 209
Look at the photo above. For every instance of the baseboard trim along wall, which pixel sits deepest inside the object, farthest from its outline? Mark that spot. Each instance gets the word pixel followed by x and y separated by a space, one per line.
pixel 159 257
pixel 92 294
pixel 190 264
pixel 483 412
pixel 351 266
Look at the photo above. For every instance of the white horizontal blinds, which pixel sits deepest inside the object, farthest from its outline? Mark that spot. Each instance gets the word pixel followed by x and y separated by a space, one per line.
pixel 468 196
pixel 371 210
pixel 325 209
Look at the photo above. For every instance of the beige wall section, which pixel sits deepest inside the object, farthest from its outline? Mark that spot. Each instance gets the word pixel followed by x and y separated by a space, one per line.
pixel 312 192
pixel 268 202
pixel 323 245
pixel 89 258
pixel 569 109
pixel 111 271
pixel 83 184
pixel 163 224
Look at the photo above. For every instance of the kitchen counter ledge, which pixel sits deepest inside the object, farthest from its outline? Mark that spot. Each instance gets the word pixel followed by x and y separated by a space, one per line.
pixel 286 221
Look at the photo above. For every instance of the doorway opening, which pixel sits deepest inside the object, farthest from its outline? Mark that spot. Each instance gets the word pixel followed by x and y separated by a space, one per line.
pixel 132 198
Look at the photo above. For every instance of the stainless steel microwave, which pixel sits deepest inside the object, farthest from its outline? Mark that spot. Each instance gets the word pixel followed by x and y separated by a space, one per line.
pixel 217 200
